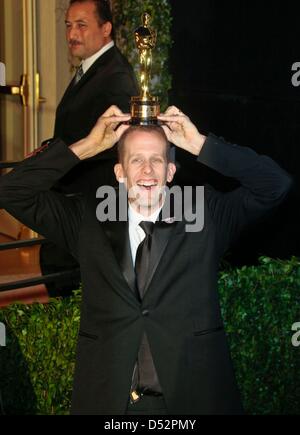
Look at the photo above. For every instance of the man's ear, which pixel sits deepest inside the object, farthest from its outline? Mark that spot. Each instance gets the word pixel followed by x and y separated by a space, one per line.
pixel 171 172
pixel 107 29
pixel 119 172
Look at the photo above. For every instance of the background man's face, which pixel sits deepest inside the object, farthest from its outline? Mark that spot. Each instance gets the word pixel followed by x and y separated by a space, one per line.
pixel 85 36
pixel 145 169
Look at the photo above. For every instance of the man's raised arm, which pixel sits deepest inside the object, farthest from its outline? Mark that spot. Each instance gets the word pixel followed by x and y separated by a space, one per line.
pixel 264 184
pixel 26 191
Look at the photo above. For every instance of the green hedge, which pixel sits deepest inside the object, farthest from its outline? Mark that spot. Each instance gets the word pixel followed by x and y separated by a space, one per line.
pixel 37 364
pixel 260 305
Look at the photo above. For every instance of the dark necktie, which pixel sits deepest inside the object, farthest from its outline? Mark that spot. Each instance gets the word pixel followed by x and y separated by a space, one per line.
pixel 142 260
pixel 145 376
pixel 78 75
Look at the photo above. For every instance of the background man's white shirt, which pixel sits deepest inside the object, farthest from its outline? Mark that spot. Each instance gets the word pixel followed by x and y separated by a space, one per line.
pixel 87 63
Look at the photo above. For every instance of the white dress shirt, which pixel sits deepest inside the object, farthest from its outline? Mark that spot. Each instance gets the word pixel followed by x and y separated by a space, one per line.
pixel 87 63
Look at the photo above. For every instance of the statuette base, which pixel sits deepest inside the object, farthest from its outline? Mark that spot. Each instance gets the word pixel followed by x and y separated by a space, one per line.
pixel 144 112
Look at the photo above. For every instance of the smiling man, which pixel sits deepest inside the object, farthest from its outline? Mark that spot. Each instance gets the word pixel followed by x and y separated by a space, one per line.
pixel 151 338
pixel 144 165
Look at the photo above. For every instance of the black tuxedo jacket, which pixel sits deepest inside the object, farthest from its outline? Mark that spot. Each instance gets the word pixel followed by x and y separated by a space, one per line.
pixel 110 80
pixel 180 312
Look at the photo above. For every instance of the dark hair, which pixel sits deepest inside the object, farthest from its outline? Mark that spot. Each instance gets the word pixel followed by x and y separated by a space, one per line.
pixel 103 12
pixel 146 128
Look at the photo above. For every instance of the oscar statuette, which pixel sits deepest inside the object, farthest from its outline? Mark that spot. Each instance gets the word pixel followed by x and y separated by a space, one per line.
pixel 145 108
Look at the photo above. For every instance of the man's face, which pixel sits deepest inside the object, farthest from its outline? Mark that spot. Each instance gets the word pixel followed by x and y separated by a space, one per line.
pixel 85 35
pixel 145 170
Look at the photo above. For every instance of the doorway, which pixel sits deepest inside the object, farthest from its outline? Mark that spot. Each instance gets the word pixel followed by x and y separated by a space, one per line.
pixel 33 48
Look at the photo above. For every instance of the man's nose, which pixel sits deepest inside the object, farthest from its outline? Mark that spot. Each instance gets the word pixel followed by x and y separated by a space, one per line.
pixel 72 33
pixel 147 168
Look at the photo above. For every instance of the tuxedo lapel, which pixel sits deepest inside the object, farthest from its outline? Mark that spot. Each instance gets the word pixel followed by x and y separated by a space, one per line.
pixel 160 238
pixel 163 231
pixel 73 88
pixel 118 235
pixel 67 92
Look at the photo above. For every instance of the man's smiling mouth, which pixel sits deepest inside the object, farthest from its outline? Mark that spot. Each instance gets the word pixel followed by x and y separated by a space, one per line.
pixel 147 185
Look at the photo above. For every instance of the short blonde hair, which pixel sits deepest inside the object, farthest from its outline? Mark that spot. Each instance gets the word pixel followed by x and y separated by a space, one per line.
pixel 143 128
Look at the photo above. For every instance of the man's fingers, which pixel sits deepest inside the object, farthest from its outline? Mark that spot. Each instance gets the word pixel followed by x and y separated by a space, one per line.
pixel 116 129
pixel 115 119
pixel 112 110
pixel 105 121
pixel 173 118
pixel 175 125
pixel 172 110
pixel 121 129
pixel 167 131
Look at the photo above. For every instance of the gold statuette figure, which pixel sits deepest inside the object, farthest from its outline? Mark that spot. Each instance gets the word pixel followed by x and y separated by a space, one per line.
pixel 145 108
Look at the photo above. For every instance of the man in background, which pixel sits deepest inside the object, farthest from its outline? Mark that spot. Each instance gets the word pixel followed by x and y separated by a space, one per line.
pixel 104 78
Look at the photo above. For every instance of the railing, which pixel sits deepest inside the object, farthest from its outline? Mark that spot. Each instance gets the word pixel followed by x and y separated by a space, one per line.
pixel 21 244
pixel 73 275
pixel 9 165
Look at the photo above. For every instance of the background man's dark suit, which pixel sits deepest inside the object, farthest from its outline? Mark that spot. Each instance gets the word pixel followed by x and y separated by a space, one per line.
pixel 109 81
pixel 180 312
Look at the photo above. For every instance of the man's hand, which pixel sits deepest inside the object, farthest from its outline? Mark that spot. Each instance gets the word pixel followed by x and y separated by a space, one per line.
pixel 104 135
pixel 181 131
